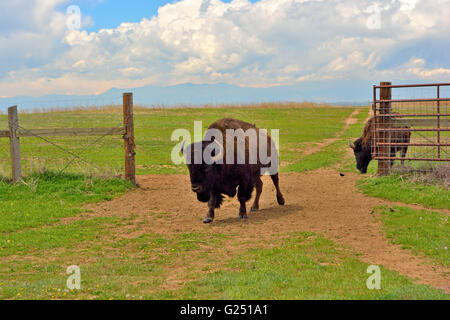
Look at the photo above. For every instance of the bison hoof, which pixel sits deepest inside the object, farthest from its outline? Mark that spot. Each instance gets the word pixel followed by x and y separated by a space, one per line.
pixel 281 201
pixel 243 217
pixel 207 220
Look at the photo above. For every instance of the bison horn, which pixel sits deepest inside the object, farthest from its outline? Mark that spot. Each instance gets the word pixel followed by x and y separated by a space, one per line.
pixel 218 156
pixel 351 145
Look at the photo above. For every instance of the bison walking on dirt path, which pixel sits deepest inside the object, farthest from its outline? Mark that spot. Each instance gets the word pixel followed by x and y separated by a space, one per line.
pixel 362 147
pixel 235 165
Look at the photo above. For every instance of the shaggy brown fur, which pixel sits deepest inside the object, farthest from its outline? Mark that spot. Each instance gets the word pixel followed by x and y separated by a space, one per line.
pixel 211 181
pixel 396 136
pixel 235 124
pixel 366 138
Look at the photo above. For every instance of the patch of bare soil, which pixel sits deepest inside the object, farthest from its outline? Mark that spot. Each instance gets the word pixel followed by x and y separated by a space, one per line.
pixel 321 201
pixel 319 146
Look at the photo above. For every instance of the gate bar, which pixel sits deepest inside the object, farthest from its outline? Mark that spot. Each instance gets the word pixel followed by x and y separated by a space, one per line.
pixel 411 100
pixel 412 85
pixel 400 115
pixel 438 122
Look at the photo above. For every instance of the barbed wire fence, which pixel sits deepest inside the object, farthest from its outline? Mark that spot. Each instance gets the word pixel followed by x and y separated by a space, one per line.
pixel 72 135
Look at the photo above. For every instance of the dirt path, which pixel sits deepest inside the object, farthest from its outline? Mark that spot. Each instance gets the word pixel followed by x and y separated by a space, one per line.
pixel 321 201
pixel 319 146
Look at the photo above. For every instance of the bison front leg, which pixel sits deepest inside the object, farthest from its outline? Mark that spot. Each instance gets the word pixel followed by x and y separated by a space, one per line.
pixel 211 206
pixel 393 154
pixel 404 150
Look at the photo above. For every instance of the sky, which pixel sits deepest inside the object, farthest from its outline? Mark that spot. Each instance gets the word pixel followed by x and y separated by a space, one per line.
pixel 133 43
pixel 111 13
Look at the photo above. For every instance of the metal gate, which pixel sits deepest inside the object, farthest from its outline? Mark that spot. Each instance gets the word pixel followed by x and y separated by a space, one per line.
pixel 415 118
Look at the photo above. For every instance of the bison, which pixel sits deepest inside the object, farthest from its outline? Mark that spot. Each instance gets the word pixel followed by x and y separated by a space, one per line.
pixel 362 147
pixel 226 175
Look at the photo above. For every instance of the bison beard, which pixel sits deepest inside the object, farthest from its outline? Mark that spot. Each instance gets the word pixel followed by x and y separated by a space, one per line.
pixel 211 181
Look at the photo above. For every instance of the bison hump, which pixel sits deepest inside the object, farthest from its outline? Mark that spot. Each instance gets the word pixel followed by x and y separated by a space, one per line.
pixel 230 123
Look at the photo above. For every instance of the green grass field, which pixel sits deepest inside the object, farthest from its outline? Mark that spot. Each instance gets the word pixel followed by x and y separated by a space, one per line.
pixel 305 266
pixel 153 128
pixel 395 188
pixel 424 231
pixel 42 232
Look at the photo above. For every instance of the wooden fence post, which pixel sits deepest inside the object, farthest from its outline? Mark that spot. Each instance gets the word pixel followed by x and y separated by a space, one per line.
pixel 384 123
pixel 13 122
pixel 128 122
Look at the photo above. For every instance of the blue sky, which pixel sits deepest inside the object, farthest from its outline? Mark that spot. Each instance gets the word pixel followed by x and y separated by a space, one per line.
pixel 111 13
pixel 254 44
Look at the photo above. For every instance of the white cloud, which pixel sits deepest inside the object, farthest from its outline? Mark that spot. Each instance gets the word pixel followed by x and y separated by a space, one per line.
pixel 416 67
pixel 30 32
pixel 267 43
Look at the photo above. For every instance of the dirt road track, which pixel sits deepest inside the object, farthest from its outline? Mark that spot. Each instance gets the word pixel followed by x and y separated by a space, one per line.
pixel 320 201
pixel 325 143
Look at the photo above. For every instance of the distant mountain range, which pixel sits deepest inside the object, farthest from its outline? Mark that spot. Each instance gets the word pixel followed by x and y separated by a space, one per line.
pixel 188 94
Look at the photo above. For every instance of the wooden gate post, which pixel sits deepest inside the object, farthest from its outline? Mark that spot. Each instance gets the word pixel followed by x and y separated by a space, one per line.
pixel 128 123
pixel 384 123
pixel 13 123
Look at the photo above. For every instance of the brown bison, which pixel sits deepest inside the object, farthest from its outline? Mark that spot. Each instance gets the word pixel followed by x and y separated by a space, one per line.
pixel 362 147
pixel 230 169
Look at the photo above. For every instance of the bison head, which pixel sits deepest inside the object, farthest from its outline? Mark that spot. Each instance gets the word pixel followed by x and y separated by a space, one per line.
pixel 202 160
pixel 363 155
